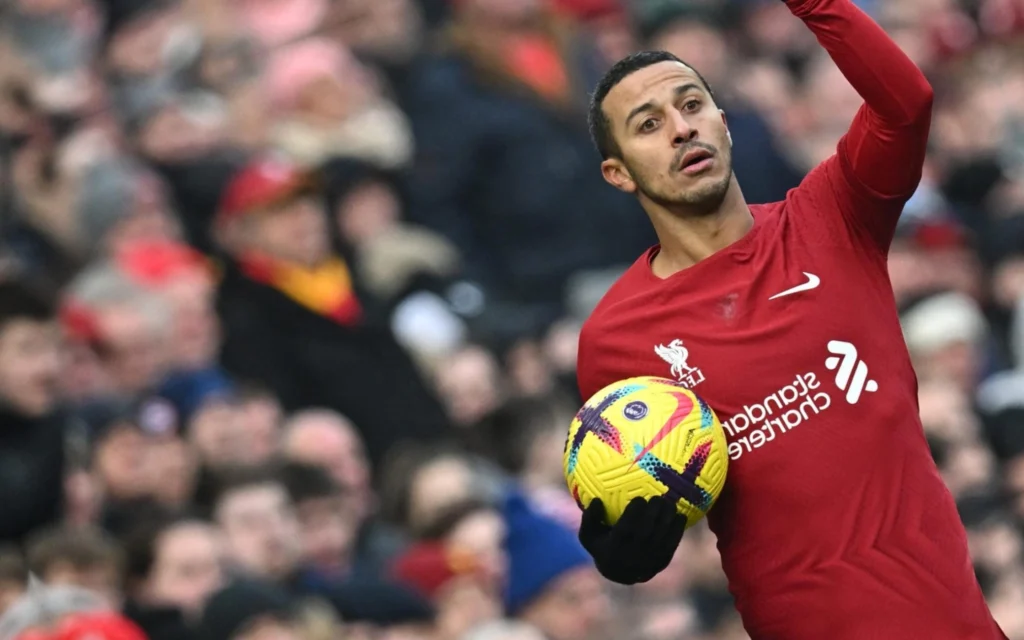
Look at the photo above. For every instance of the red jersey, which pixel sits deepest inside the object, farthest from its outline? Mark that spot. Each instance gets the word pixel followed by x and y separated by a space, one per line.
pixel 834 522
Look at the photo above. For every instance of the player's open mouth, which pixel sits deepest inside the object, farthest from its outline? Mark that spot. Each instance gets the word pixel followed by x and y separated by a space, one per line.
pixel 696 161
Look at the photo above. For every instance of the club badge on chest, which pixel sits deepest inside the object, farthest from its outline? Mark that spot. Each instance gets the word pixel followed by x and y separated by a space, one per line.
pixel 677 356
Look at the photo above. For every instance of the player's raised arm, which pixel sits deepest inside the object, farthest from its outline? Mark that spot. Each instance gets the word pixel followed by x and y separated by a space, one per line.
pixel 881 156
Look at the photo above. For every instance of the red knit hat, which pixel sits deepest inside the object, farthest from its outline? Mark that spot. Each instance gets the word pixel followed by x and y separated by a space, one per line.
pixel 429 566
pixel 263 183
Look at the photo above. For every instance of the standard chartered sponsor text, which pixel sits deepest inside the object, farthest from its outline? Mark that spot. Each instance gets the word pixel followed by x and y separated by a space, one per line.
pixel 760 423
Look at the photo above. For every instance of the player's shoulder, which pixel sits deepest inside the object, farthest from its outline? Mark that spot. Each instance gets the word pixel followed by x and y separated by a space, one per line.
pixel 817 188
pixel 635 281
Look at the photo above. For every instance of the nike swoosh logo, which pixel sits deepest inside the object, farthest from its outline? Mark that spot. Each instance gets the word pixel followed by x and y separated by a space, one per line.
pixel 812 283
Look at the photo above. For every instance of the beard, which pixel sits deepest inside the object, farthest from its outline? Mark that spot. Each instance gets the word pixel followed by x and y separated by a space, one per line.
pixel 701 200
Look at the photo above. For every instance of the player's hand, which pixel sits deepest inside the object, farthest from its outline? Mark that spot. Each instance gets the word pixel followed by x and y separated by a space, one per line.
pixel 640 545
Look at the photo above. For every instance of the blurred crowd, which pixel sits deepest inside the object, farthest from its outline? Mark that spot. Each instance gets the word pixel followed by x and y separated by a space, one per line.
pixel 290 292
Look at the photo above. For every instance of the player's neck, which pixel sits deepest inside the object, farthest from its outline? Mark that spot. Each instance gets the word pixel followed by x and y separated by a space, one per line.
pixel 686 239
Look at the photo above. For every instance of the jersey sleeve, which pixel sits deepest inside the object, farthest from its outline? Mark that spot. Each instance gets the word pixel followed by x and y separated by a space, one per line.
pixel 878 162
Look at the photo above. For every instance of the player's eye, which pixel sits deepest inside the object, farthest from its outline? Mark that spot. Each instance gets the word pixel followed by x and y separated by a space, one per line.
pixel 691 105
pixel 648 125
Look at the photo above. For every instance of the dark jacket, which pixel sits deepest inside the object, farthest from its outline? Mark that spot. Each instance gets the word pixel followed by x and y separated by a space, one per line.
pixel 159 623
pixel 515 181
pixel 31 473
pixel 308 360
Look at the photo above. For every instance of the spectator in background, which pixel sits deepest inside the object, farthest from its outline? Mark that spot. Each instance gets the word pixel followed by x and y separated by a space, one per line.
pixel 279 22
pixel 946 335
pixel 122 466
pixel 88 559
pixel 471 384
pixel 261 531
pixel 121 202
pixel 552 584
pixel 526 437
pixel 388 33
pixel 476 527
pixel 384 610
pixel 185 279
pixel 422 484
pixel 222 433
pixel 127 328
pixel 45 51
pixel 153 57
pixel 327 439
pixel 263 418
pixel 412 271
pixel 45 612
pixel 502 151
pixel 327 530
pixel 208 405
pixel 173 566
pixel 455 581
pixel 251 610
pixel 32 433
pixel 328 104
pixel 608 21
pixel 131 29
pixel 294 320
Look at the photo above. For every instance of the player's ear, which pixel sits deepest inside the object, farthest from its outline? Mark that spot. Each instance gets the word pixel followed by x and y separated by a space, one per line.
pixel 616 174
pixel 728 134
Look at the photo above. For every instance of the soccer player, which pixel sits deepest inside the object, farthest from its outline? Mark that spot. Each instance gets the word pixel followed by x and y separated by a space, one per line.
pixel 834 522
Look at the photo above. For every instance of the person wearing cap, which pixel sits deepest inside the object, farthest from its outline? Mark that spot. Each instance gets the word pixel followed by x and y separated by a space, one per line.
pixel 553 584
pixel 137 458
pixel 294 320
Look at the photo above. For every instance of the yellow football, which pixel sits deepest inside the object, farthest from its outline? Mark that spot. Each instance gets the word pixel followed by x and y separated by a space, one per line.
pixel 646 437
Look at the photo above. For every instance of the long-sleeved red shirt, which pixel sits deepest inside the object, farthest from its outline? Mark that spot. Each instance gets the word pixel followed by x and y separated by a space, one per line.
pixel 834 523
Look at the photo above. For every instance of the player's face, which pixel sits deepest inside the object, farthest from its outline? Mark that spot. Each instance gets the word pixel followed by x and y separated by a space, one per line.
pixel 673 140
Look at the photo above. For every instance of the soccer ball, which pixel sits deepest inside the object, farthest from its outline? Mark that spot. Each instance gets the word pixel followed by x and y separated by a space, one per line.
pixel 646 437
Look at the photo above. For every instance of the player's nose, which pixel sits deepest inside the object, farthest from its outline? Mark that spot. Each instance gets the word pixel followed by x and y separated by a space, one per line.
pixel 682 132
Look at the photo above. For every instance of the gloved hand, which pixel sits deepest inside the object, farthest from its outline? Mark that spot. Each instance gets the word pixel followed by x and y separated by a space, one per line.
pixel 640 545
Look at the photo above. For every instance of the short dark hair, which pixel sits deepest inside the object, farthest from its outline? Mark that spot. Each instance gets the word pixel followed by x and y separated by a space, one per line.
pixel 18 301
pixel 141 543
pixel 241 478
pixel 308 482
pixel 600 126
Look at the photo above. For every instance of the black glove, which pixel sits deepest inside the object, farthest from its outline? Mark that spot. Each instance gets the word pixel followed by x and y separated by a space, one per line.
pixel 640 545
